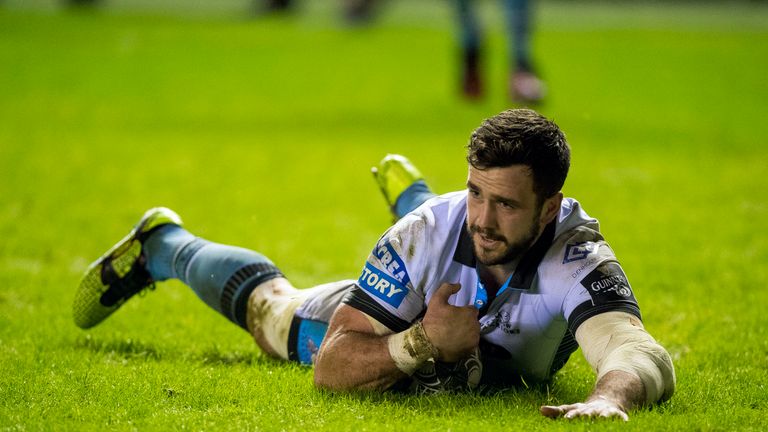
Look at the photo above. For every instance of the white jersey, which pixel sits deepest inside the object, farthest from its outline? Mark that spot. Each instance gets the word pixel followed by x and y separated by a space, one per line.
pixel 567 276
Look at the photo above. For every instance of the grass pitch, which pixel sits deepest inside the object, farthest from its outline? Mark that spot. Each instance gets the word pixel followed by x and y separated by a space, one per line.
pixel 260 133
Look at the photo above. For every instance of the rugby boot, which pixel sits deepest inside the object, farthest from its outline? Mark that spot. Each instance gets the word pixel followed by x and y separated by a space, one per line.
pixel 526 88
pixel 394 174
pixel 120 273
pixel 471 80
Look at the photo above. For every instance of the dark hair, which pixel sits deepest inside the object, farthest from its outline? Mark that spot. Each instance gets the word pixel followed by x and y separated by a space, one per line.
pixel 523 137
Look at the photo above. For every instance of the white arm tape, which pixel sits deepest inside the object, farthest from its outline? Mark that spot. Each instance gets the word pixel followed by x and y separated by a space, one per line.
pixel 411 348
pixel 378 328
pixel 617 341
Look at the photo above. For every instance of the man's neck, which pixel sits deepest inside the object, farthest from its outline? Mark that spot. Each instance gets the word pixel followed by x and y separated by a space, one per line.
pixel 494 276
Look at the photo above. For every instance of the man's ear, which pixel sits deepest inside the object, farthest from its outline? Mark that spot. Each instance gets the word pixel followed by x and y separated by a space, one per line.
pixel 551 208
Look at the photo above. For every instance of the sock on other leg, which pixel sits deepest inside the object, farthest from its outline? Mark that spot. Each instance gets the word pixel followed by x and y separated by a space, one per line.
pixel 414 196
pixel 222 276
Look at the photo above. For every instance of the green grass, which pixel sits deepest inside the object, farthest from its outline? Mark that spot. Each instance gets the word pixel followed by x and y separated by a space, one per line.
pixel 260 133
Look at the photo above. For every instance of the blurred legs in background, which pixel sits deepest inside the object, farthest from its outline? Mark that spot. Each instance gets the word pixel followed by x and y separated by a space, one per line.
pixel 355 11
pixel 524 86
pixel 274 5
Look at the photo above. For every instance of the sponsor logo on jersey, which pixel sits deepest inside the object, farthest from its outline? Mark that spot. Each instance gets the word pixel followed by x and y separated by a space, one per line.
pixel 575 274
pixel 391 262
pixel 616 283
pixel 503 321
pixel 607 283
pixel 579 251
pixel 382 286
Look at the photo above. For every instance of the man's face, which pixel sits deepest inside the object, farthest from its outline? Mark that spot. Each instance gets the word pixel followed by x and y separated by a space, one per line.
pixel 504 216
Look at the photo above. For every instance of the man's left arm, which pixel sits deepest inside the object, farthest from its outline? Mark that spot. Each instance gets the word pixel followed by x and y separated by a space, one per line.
pixel 632 368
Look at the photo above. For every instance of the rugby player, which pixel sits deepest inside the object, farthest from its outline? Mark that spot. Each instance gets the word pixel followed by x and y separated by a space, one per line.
pixel 491 286
pixel 524 85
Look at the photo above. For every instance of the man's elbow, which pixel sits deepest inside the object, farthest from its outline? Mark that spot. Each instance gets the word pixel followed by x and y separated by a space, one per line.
pixel 324 376
pixel 335 376
pixel 618 341
pixel 651 363
pixel 330 376
pixel 342 384
pixel 665 380
pixel 323 381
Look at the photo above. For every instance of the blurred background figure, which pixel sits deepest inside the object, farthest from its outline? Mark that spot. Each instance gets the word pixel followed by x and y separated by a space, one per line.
pixel 273 5
pixel 525 87
pixel 84 3
pixel 355 11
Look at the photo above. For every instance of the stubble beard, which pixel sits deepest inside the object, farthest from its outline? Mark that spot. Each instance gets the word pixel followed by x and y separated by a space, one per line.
pixel 513 250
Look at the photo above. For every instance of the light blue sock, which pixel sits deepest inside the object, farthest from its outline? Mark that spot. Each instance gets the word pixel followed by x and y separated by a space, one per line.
pixel 412 197
pixel 160 249
pixel 222 276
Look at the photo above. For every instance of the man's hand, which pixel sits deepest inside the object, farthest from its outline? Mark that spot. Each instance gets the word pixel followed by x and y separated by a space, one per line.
pixel 614 394
pixel 454 331
pixel 597 407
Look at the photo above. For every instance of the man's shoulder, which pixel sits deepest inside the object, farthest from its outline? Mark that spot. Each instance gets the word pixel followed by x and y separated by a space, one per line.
pixel 582 271
pixel 574 253
pixel 439 217
pixel 409 258
pixel 420 237
pixel 572 215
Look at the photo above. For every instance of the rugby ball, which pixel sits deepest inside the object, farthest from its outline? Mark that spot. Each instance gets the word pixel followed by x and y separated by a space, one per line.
pixel 441 377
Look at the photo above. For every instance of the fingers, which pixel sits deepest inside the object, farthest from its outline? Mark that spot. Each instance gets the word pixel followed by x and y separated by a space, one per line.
pixel 453 330
pixel 581 410
pixel 445 290
pixel 555 411
pixel 551 411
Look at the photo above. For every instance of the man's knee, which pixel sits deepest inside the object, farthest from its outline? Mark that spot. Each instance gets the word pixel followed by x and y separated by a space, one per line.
pixel 271 307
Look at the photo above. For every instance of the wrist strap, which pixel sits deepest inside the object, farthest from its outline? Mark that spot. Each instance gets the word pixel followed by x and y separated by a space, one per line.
pixel 411 348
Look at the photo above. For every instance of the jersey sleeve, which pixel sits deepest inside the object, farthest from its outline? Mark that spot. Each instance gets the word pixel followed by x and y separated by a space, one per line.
pixel 592 278
pixel 390 286
pixel 603 289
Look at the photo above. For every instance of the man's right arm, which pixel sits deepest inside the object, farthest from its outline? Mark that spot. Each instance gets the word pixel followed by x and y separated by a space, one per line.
pixel 354 356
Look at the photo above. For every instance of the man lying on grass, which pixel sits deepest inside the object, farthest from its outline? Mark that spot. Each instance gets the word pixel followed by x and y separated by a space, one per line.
pixel 487 287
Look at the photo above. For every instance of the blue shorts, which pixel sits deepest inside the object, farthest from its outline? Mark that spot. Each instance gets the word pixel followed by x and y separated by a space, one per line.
pixel 304 339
